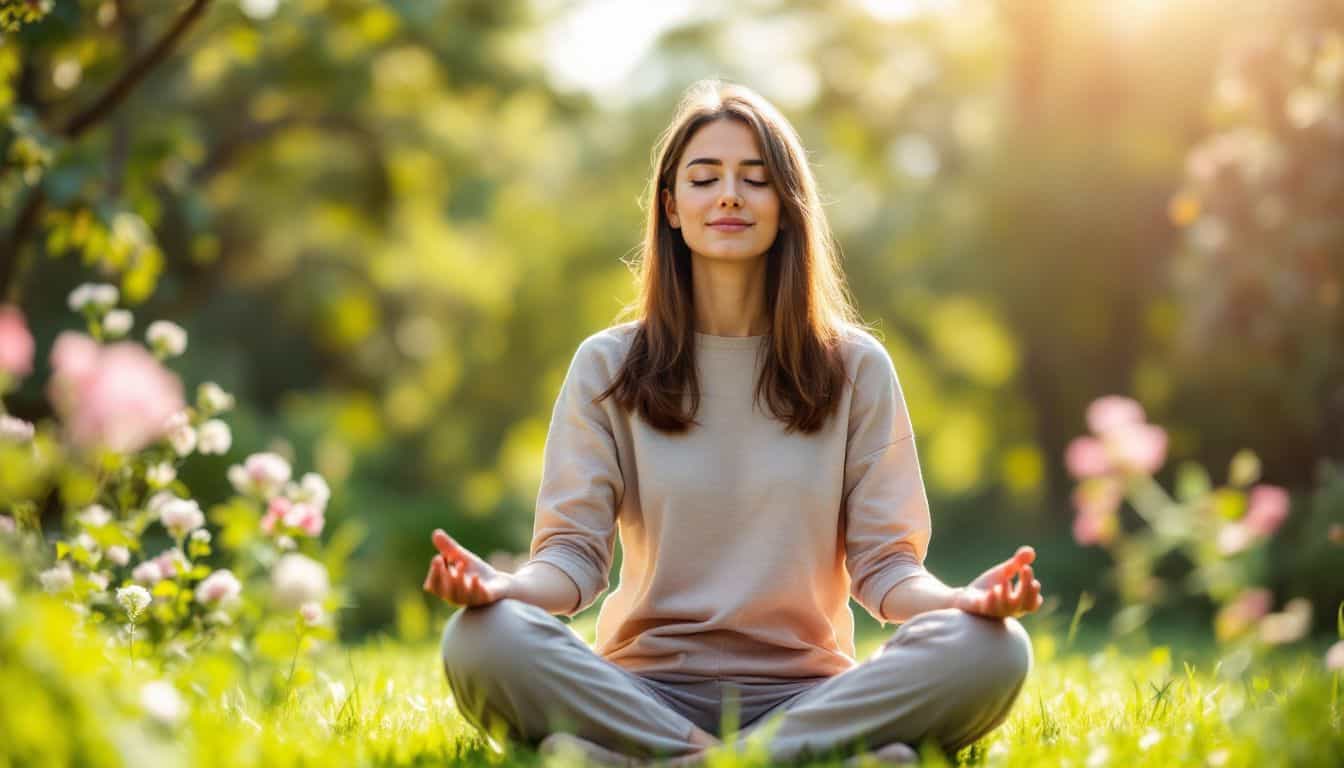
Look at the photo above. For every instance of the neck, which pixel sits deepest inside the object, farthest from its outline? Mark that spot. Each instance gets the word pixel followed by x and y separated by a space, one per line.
pixel 729 296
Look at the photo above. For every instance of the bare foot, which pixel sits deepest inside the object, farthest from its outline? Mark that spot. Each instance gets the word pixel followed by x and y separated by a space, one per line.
pixel 703 739
pixel 894 753
pixel 596 754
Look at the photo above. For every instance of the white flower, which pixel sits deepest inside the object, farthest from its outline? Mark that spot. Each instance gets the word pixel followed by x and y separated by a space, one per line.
pixel 15 430
pixel 220 588
pixel 285 543
pixel 99 296
pixel 118 555
pixel 7 524
pixel 1334 658
pixel 212 399
pixel 133 599
pixel 58 578
pixel 1288 626
pixel 296 580
pixel 160 475
pixel 6 596
pixel 85 542
pixel 181 516
pixel 311 613
pixel 95 516
pixel 165 338
pixel 181 434
pixel 155 504
pixel 118 322
pixel 214 437
pixel 99 580
pixel 262 475
pixel 147 572
pixel 312 490
pixel 162 702
pixel 201 534
pixel 259 10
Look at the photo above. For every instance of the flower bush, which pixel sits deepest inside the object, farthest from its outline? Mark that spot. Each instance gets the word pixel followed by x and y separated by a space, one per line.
pixel 1220 530
pixel 127 553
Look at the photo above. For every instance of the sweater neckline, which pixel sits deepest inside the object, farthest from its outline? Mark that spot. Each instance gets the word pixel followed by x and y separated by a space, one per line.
pixel 729 342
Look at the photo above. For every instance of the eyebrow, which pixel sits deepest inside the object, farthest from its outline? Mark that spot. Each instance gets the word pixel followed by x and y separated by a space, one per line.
pixel 716 161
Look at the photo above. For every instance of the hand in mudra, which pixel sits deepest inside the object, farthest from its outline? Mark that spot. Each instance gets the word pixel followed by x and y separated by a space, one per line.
pixel 460 577
pixel 994 594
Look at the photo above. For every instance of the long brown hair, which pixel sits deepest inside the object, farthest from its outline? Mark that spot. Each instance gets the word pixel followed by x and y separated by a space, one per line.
pixel 805 294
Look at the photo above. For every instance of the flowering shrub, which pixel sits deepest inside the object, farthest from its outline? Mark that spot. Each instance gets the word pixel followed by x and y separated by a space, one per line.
pixel 1220 530
pixel 135 557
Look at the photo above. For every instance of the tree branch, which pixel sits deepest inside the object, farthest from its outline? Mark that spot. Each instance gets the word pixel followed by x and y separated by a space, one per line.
pixel 101 108
pixel 117 92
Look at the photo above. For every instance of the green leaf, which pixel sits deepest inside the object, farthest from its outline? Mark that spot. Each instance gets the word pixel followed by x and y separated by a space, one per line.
pixel 1192 482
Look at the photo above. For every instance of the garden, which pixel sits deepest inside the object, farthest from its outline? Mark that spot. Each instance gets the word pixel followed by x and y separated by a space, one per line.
pixel 285 285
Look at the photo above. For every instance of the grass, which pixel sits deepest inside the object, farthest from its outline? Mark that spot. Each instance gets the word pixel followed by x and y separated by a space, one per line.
pixel 386 703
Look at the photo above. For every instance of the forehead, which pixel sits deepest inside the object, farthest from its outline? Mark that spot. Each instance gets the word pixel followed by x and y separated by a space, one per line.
pixel 726 139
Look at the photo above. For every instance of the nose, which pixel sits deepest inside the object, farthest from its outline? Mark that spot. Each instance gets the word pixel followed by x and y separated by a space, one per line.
pixel 730 199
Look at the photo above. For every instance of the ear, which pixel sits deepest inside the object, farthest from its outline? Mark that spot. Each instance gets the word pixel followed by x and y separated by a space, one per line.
pixel 670 208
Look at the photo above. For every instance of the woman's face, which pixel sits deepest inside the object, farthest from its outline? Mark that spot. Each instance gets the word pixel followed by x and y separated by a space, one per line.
pixel 721 178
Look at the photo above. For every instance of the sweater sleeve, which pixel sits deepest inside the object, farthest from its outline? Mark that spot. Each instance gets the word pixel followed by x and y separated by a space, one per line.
pixel 581 485
pixel 887 523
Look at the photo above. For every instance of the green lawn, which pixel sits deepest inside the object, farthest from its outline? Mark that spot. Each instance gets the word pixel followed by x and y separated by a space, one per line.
pixel 386 704
pixel 70 699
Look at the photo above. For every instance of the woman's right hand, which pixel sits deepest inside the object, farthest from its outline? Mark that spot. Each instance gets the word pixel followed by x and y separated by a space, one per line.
pixel 460 577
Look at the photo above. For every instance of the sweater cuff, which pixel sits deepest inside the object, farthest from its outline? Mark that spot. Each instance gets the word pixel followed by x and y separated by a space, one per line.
pixel 899 573
pixel 579 571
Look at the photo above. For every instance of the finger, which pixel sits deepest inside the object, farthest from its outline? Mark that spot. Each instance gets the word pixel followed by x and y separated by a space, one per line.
pixel 431 576
pixel 1024 580
pixel 474 588
pixel 1024 554
pixel 438 583
pixel 996 600
pixel 450 549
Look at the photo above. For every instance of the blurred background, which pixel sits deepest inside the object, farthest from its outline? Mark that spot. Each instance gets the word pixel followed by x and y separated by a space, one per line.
pixel 387 226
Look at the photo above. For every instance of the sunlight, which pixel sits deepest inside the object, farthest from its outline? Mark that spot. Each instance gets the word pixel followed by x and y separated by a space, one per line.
pixel 904 10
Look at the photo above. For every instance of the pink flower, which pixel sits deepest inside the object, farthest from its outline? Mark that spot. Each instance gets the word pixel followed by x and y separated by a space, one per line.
pixel 1138 448
pixel 1111 412
pixel 1086 457
pixel 1268 508
pixel 1121 441
pixel 302 517
pixel 1237 617
pixel 147 572
pixel 1096 501
pixel 262 475
pixel 118 397
pixel 74 355
pixel 219 588
pixel 16 343
pixel 170 562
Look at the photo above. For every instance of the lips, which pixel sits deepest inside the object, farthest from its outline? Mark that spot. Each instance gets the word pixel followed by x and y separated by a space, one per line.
pixel 729 225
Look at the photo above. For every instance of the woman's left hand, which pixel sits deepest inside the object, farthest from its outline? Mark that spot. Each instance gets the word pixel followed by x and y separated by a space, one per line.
pixel 994 594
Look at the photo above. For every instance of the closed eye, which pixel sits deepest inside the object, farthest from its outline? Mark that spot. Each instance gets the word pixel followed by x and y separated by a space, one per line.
pixel 749 181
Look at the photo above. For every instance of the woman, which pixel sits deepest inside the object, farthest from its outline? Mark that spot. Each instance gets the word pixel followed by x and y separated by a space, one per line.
pixel 751 445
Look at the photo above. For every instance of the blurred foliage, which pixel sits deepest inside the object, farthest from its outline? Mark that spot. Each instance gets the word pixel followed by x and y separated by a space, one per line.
pixel 387 225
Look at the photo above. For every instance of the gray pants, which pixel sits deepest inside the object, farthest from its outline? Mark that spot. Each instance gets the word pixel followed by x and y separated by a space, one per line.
pixel 946 676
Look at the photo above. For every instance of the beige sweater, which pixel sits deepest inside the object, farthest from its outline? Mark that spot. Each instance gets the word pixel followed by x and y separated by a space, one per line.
pixel 741 544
